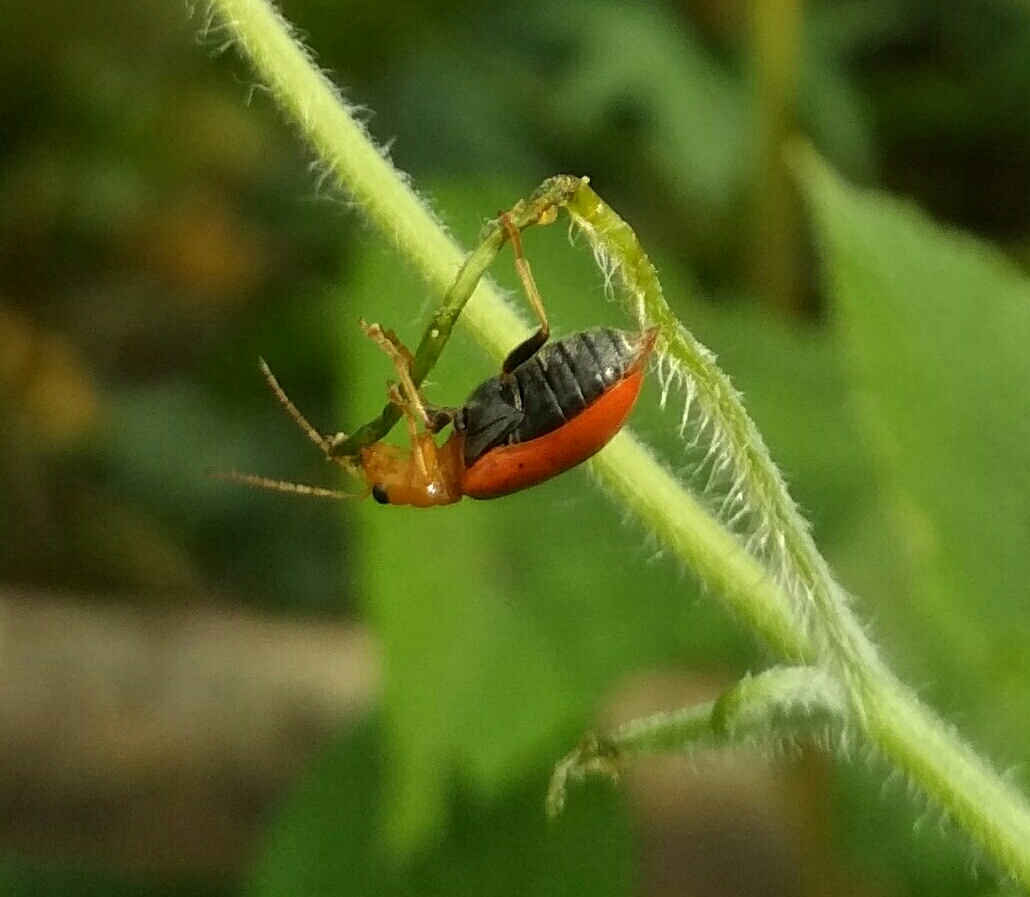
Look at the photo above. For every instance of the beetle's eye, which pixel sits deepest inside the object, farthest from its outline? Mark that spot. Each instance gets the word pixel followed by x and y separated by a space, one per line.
pixel 379 494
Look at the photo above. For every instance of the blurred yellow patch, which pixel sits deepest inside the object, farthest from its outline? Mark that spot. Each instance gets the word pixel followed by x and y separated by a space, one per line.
pixel 43 382
pixel 199 247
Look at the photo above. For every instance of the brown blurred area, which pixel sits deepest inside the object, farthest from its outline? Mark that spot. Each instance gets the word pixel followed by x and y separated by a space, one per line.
pixel 157 742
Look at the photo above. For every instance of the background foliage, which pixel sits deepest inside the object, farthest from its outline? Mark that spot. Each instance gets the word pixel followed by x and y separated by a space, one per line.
pixel 157 234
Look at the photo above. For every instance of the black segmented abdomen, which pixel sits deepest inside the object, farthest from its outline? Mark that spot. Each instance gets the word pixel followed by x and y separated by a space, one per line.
pixel 552 387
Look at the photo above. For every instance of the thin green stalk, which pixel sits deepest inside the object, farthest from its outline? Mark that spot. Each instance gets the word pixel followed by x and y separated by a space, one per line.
pixel 783 704
pixel 684 525
pixel 347 154
pixel 988 809
pixel 814 620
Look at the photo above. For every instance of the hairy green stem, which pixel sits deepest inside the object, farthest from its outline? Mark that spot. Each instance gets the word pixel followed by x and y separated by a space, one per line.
pixel 994 814
pixel 788 597
pixel 736 442
pixel 345 151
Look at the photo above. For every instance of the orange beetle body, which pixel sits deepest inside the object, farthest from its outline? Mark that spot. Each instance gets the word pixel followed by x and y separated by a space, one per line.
pixel 548 414
pixel 554 405
pixel 509 468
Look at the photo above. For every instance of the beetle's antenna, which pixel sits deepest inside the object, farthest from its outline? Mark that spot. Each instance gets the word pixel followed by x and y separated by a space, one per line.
pixel 527 349
pixel 259 482
pixel 299 419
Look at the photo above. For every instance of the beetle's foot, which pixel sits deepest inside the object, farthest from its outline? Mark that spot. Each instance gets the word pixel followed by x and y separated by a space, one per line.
pixel 389 342
pixel 438 417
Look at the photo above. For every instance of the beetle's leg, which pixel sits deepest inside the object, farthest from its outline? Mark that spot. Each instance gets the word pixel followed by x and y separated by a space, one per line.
pixel 527 349
pixel 402 359
pixel 439 417
pixel 419 444
pixel 409 400
pixel 411 403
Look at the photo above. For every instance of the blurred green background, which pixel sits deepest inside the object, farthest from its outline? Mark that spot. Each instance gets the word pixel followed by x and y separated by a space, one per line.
pixel 207 690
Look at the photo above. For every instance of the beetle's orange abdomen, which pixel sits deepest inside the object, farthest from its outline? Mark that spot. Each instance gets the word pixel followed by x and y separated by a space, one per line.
pixel 509 468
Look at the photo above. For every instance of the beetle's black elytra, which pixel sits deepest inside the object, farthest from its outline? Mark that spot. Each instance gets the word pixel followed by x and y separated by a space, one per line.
pixel 558 382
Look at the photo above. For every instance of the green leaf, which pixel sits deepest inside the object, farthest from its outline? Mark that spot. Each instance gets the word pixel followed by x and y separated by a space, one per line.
pixel 326 840
pixel 937 327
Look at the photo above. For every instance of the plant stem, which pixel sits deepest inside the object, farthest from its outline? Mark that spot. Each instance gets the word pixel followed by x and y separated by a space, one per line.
pixel 625 466
pixel 994 814
pixel 344 149
pixel 808 618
